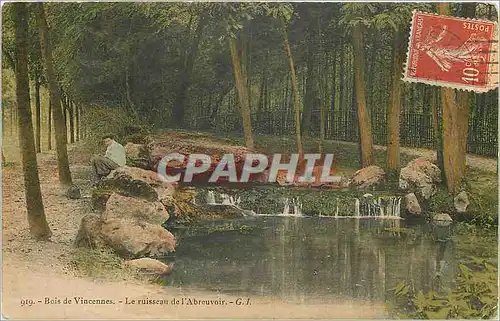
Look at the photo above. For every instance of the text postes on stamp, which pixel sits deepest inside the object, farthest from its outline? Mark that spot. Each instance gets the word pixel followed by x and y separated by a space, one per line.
pixel 452 52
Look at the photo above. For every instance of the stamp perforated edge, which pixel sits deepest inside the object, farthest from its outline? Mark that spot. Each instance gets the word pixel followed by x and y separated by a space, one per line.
pixel 492 76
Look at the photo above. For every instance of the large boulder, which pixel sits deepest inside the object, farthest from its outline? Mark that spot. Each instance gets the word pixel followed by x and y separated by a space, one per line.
pixel 138 155
pixel 135 209
pixel 158 151
pixel 136 151
pixel 461 201
pixel 166 192
pixel 131 182
pixel 148 265
pixel 125 185
pixel 419 182
pixel 137 240
pixel 419 176
pixel 99 198
pixel 367 177
pixel 88 233
pixel 426 167
pixel 128 238
pixel 138 174
pixel 412 205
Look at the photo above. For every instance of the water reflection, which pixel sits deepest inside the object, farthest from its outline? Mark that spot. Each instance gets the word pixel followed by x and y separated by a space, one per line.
pixel 302 258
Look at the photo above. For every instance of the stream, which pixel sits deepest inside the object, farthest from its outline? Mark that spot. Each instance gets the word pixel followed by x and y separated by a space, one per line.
pixel 312 259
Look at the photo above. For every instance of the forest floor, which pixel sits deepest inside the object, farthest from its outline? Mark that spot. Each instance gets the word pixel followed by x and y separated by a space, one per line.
pixel 346 154
pixel 55 270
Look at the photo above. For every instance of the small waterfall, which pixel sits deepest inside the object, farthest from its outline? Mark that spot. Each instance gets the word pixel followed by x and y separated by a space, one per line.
pixel 396 208
pixel 381 208
pixel 294 204
pixel 210 198
pixel 390 207
pixel 297 208
pixel 286 209
pixel 369 206
pixel 226 200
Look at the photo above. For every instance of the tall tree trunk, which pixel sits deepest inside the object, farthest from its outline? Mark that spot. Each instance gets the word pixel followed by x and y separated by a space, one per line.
pixel 131 108
pixel 450 129
pixel 450 139
pixel 38 111
pixel 342 95
pixel 244 59
pixel 365 129
pixel 266 96
pixel 64 105
pixel 242 94
pixel 463 103
pixel 3 121
pixel 436 127
pixel 357 132
pixel 244 42
pixel 323 93
pixel 394 109
pixel 371 78
pixel 260 104
pixel 16 118
pixel 249 66
pixel 222 94
pixel 310 94
pixel 77 121
pixel 186 73
pixel 11 121
pixel 295 90
pixel 333 94
pixel 49 125
pixel 71 115
pixel 65 112
pixel 453 167
pixel 83 129
pixel 322 115
pixel 55 97
pixel 39 228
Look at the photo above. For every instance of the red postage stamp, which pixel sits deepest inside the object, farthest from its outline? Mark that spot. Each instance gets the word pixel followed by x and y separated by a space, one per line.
pixel 452 52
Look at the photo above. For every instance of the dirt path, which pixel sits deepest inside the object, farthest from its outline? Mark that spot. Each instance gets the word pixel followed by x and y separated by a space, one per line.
pixel 475 161
pixel 40 270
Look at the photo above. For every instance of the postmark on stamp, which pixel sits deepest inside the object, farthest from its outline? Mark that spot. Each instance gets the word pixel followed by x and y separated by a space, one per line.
pixel 452 52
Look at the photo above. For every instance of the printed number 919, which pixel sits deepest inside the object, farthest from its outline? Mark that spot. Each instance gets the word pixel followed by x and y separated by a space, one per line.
pixel 27 302
pixel 476 26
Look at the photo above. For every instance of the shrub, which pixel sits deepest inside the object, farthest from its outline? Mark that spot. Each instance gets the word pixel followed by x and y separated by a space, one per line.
pixel 474 297
pixel 100 121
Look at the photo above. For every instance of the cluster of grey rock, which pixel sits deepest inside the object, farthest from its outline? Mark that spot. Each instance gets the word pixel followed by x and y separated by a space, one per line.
pixel 128 214
pixel 418 178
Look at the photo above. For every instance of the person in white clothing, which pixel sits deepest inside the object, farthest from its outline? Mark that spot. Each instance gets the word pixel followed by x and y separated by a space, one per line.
pixel 114 158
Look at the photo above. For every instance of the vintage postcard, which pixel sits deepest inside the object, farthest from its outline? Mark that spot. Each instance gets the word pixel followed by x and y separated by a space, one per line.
pixel 249 160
